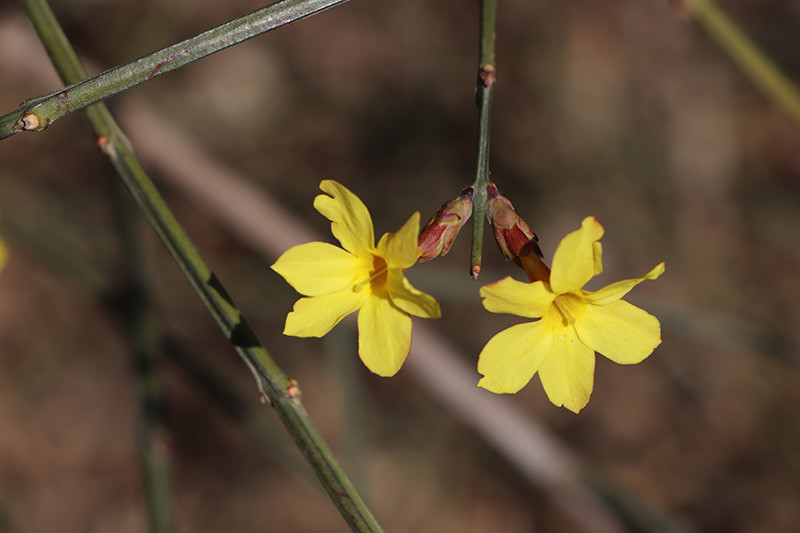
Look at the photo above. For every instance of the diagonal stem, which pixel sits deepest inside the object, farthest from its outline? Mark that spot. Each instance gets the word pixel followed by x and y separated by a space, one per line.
pixel 38 113
pixel 487 75
pixel 772 83
pixel 273 383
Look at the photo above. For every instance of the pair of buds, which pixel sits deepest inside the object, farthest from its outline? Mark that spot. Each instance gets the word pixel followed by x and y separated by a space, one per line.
pixel 513 235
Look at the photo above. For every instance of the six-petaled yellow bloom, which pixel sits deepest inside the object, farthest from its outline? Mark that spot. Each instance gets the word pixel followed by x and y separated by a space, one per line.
pixel 573 324
pixel 357 277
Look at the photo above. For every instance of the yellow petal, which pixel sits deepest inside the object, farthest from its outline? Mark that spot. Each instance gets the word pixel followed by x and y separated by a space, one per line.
pixel 3 254
pixel 350 220
pixel 568 372
pixel 620 331
pixel 514 297
pixel 399 249
pixel 317 268
pixel 384 336
pixel 617 290
pixel 409 299
pixel 316 316
pixel 576 259
pixel 597 258
pixel 511 358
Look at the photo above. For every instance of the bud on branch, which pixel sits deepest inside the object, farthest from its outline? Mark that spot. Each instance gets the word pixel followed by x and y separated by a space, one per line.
pixel 513 235
pixel 441 230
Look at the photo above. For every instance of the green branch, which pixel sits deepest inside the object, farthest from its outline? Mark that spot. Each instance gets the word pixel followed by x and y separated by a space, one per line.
pixel 38 113
pixel 487 75
pixel 281 392
pixel 775 86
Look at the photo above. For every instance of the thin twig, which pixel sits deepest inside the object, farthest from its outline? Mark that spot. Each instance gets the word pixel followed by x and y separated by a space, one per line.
pixel 37 113
pixel 487 75
pixel 273 383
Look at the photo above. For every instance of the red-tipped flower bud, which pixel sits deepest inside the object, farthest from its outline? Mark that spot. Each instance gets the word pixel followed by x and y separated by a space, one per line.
pixel 440 232
pixel 513 235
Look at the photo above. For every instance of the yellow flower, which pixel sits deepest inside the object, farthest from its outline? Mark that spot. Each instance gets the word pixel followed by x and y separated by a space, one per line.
pixel 573 324
pixel 357 277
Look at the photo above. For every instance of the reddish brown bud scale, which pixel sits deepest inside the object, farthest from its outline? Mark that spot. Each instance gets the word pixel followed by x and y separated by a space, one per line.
pixel 488 75
pixel 475 271
pixel 441 230
pixel 107 147
pixel 293 390
pixel 513 235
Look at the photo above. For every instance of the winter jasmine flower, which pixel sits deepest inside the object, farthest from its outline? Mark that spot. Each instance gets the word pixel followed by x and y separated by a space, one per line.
pixel 572 323
pixel 359 276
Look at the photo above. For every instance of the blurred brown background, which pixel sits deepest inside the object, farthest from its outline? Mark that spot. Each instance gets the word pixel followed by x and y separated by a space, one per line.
pixel 623 110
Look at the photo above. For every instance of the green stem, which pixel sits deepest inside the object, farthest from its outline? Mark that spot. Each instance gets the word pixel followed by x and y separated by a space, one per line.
pixel 38 113
pixel 775 86
pixel 487 75
pixel 273 383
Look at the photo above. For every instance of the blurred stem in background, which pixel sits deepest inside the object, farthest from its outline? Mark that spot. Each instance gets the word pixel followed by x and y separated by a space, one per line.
pixel 272 382
pixel 487 75
pixel 144 340
pixel 773 84
pixel 340 345
pixel 36 114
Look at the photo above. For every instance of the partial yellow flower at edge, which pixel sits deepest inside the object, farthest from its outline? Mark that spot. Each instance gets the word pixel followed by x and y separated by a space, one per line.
pixel 573 324
pixel 357 277
pixel 3 254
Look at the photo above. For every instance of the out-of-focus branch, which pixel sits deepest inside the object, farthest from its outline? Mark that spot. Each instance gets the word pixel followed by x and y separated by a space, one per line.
pixel 772 83
pixel 143 336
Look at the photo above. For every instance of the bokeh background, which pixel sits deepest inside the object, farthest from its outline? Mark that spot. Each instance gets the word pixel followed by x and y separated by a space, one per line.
pixel 622 110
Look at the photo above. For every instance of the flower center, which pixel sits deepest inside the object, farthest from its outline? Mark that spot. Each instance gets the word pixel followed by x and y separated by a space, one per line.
pixel 568 306
pixel 378 276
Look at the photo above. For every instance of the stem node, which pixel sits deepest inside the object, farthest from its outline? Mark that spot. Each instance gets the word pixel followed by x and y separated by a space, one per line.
pixel 487 75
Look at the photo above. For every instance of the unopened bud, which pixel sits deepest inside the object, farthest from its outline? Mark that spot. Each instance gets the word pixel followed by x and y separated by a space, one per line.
pixel 513 235
pixel 440 232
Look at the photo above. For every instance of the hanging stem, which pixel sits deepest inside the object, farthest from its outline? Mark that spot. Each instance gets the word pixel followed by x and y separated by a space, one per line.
pixel 272 382
pixel 38 113
pixel 487 75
